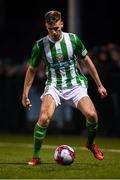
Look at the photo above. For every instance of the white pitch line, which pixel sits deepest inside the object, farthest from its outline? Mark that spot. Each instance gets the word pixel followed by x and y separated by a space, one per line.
pixel 6 144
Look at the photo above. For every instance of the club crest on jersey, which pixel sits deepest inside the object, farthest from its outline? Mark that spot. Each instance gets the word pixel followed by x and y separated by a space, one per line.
pixel 59 55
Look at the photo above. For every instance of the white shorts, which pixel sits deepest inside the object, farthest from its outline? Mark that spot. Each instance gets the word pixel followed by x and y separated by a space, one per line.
pixel 72 95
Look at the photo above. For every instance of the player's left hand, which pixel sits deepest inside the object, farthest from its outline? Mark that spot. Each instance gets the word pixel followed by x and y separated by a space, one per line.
pixel 102 91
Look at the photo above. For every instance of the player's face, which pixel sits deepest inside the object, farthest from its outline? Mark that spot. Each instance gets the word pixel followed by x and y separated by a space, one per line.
pixel 55 31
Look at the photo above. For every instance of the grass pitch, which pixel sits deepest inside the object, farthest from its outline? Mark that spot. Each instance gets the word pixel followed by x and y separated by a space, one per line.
pixel 16 150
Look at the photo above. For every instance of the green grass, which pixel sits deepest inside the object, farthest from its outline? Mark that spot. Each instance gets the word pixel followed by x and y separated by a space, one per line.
pixel 16 150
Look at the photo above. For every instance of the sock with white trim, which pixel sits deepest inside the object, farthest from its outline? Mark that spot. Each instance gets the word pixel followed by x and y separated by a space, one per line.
pixel 39 135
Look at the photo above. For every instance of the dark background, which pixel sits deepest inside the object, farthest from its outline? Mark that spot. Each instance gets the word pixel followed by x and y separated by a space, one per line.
pixel 101 21
pixel 23 23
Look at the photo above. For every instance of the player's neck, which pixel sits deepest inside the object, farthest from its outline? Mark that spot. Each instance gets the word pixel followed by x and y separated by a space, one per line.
pixel 55 40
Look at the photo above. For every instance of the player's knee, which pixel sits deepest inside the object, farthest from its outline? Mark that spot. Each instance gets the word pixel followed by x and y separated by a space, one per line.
pixel 91 116
pixel 44 119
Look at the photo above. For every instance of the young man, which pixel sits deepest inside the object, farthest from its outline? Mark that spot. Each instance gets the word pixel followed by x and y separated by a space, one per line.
pixel 61 52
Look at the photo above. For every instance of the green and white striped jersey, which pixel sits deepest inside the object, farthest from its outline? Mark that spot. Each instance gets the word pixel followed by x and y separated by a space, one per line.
pixel 60 58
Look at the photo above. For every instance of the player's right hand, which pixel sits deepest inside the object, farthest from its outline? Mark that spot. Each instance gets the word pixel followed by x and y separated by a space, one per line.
pixel 26 103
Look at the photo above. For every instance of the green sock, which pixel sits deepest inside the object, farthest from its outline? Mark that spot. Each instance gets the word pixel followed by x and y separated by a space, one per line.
pixel 39 135
pixel 92 129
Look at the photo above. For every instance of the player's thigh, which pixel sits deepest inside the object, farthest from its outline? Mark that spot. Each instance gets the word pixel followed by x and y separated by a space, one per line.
pixel 48 106
pixel 86 106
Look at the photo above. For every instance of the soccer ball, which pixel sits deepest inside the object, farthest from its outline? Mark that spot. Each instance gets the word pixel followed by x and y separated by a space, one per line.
pixel 64 155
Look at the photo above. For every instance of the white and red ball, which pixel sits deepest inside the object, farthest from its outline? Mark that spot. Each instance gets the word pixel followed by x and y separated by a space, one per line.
pixel 64 155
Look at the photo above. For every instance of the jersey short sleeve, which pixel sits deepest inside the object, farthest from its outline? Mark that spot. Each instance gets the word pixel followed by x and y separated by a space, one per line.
pixel 81 51
pixel 35 56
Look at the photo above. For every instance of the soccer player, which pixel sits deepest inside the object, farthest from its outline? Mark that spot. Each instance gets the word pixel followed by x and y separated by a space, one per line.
pixel 61 53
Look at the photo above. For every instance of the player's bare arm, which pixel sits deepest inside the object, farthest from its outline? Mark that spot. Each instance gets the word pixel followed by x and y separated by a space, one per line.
pixel 92 69
pixel 30 74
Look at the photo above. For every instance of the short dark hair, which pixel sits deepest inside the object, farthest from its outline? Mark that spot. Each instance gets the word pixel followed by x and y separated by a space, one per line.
pixel 52 17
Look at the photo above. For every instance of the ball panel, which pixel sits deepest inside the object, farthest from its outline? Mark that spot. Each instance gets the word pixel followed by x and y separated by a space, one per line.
pixel 64 155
